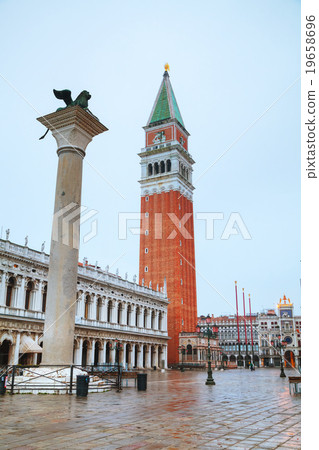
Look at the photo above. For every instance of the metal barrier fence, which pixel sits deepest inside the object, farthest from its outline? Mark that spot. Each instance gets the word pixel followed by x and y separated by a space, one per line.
pixel 110 374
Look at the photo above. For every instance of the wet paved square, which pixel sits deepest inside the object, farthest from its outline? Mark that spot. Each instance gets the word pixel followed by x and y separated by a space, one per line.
pixel 243 410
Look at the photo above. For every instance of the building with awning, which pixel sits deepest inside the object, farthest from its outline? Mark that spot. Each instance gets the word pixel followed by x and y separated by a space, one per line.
pixel 28 345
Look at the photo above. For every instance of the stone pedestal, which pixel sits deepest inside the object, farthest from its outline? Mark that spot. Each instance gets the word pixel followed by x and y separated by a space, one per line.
pixel 73 128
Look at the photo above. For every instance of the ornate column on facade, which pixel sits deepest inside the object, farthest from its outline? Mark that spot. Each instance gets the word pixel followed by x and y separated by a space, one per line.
pixel 114 311
pixel 73 128
pixel 112 353
pixel 156 320
pixel 123 354
pixel 140 357
pixel 78 352
pixel 92 307
pixel 102 353
pixel 36 295
pixel 132 315
pixel 133 363
pixel 123 314
pixel 91 349
pixel 14 351
pixel 2 287
pixel 19 293
pixel 148 357
pixel 103 310
pixel 164 354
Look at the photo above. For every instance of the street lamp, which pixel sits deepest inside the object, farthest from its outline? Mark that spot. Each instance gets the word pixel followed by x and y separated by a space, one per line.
pixel 209 333
pixel 182 349
pixel 117 348
pixel 281 344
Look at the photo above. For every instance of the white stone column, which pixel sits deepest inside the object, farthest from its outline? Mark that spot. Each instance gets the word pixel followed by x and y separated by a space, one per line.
pixel 16 350
pixel 112 353
pixel 148 357
pixel 164 356
pixel 78 353
pixel 140 318
pixel 36 300
pixel 156 320
pixel 124 312
pixel 133 355
pixel 3 289
pixel 73 128
pixel 102 357
pixel 103 310
pixel 92 307
pixel 123 356
pixel 140 357
pixel 132 316
pixel 148 319
pixel 19 293
pixel 91 352
pixel 156 356
pixel 114 311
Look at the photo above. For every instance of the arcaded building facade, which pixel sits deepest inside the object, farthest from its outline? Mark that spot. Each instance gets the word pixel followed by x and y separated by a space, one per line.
pixel 109 310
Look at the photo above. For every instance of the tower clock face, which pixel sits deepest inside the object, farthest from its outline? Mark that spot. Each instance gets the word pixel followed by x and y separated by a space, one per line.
pixel 288 339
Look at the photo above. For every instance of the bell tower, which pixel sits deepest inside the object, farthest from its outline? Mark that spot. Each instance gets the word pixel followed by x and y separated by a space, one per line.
pixel 167 251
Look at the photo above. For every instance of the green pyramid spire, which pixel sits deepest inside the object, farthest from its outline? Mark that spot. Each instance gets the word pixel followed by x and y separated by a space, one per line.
pixel 165 106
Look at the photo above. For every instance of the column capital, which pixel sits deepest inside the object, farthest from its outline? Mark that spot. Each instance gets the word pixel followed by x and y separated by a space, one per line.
pixel 73 128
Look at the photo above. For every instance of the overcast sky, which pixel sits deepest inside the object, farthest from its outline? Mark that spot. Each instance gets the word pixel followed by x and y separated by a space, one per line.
pixel 229 62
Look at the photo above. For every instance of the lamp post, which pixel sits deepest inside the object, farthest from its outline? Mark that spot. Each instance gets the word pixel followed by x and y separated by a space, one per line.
pixel 117 347
pixel 209 334
pixel 182 349
pixel 281 345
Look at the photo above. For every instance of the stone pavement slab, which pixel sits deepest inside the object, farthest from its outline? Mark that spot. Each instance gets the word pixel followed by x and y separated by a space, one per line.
pixel 244 410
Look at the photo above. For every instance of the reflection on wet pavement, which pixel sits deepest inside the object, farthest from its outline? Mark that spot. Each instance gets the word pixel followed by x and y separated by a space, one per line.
pixel 244 410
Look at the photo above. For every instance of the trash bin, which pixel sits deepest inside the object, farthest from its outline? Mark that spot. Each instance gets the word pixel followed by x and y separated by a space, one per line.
pixel 3 384
pixel 141 381
pixel 82 385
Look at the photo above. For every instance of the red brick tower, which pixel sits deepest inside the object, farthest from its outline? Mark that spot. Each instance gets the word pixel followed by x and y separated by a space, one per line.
pixel 167 227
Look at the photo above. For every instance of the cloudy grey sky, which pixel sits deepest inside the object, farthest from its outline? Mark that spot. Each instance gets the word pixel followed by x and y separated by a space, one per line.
pixel 229 62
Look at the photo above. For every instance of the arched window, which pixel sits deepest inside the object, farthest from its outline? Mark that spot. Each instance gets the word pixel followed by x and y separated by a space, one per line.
pixel 168 165
pixel 119 313
pixel 109 311
pixel 162 166
pixel 86 307
pixel 150 170
pixel 186 174
pixel 145 318
pixel 28 291
pixel 128 315
pixel 189 349
pixel 152 319
pixel 156 168
pixel 160 321
pixel 10 286
pixel 44 298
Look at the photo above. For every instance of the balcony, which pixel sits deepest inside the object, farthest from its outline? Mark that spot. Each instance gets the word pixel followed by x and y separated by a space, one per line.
pixel 119 327
pixel 21 313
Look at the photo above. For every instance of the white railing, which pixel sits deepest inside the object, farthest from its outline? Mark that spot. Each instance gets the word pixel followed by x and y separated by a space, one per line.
pixel 24 251
pixel 119 327
pixel 9 311
pixel 117 281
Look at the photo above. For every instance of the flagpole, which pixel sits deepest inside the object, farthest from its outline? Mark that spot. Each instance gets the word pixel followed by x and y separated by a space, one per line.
pixel 237 321
pixel 246 365
pixel 251 331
